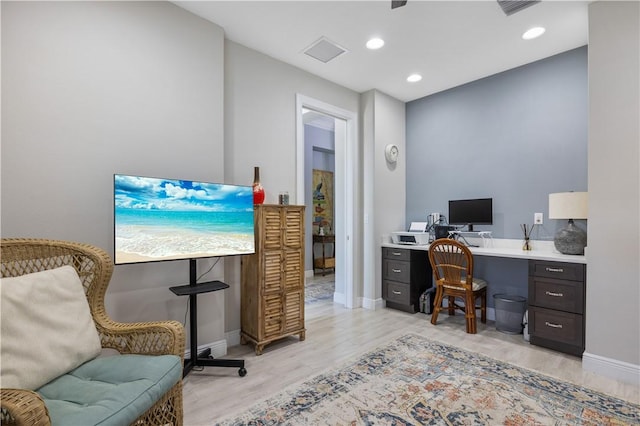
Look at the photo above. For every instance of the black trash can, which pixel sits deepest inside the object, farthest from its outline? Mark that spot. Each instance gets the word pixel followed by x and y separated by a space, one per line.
pixel 509 313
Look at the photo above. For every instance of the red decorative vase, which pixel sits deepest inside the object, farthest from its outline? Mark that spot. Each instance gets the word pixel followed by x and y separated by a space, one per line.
pixel 258 190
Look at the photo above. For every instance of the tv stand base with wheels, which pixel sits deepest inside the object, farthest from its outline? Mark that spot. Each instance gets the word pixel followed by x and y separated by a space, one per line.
pixel 204 358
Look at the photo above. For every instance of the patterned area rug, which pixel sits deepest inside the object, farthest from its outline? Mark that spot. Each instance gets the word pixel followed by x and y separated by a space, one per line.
pixel 415 381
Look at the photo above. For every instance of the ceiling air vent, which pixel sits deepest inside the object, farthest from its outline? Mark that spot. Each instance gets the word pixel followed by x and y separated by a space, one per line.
pixel 324 50
pixel 509 7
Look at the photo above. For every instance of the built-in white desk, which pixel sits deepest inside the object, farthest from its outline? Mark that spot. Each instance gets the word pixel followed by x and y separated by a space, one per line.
pixel 556 285
pixel 543 250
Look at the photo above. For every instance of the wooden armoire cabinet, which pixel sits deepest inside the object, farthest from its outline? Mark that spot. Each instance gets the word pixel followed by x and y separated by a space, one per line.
pixel 272 296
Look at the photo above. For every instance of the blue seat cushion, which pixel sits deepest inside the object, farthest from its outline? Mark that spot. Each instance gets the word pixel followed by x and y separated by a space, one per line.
pixel 113 390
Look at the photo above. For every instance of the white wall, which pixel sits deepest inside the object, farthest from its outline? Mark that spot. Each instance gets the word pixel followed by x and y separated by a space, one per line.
pixel 260 127
pixel 613 269
pixel 90 89
pixel 384 195
pixel 96 88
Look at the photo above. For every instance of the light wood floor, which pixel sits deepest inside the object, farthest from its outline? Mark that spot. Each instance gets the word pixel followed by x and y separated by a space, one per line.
pixel 336 335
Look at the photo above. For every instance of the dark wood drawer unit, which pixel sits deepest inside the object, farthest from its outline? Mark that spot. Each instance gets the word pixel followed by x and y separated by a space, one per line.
pixel 559 330
pixel 396 254
pixel 559 270
pixel 406 274
pixel 561 295
pixel 395 270
pixel 398 293
pixel 557 305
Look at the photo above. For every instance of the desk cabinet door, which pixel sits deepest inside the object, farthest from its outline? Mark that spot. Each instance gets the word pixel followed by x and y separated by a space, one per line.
pixel 396 254
pixel 557 270
pixel 396 271
pixel 398 292
pixel 556 326
pixel 556 294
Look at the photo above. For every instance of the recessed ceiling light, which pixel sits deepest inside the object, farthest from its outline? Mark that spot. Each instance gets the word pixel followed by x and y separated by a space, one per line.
pixel 414 78
pixel 375 43
pixel 533 33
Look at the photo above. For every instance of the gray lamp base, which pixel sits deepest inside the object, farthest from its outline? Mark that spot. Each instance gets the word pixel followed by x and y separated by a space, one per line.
pixel 570 240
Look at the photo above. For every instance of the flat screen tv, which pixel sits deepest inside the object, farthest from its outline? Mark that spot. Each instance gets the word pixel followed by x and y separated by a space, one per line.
pixel 478 211
pixel 159 219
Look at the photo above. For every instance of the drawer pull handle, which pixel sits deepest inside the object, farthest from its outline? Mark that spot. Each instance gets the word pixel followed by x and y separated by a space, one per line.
pixel 396 253
pixel 550 293
pixel 549 324
pixel 554 269
pixel 396 292
pixel 397 271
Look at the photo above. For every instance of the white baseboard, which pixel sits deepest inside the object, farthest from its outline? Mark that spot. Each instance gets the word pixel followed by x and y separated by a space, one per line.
pixel 233 337
pixel 373 304
pixel 218 349
pixel 612 368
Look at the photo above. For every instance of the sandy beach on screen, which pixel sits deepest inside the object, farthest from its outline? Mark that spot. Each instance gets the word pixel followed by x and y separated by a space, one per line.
pixel 122 257
pixel 147 244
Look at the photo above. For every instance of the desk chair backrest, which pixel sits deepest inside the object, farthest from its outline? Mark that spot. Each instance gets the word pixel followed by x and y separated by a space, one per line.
pixel 452 263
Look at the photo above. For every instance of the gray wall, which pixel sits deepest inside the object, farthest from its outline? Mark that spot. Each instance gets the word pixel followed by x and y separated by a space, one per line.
pixel 94 88
pixel 613 271
pixel 515 137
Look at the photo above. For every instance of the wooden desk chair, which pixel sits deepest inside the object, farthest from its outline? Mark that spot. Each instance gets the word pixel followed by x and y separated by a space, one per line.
pixel 452 264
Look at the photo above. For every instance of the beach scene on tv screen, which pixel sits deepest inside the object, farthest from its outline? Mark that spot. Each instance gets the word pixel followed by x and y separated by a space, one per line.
pixel 163 219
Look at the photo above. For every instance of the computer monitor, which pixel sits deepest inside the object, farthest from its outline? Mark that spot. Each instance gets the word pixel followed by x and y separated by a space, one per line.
pixel 477 211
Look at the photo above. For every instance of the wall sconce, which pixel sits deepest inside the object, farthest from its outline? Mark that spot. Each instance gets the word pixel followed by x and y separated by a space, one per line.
pixel 569 205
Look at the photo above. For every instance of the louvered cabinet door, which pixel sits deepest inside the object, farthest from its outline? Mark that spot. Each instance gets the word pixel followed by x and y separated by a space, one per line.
pixel 271 295
pixel 293 228
pixel 276 273
pixel 269 226
pixel 294 313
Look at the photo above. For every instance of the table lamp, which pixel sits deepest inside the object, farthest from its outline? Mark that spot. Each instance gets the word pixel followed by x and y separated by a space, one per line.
pixel 569 205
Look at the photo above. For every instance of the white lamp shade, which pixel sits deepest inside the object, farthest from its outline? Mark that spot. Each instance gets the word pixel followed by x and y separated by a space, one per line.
pixel 568 205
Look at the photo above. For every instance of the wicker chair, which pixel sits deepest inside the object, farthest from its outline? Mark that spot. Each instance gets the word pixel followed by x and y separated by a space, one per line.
pixel 94 266
pixel 452 264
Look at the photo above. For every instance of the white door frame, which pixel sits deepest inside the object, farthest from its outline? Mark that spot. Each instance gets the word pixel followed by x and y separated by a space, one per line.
pixel 345 202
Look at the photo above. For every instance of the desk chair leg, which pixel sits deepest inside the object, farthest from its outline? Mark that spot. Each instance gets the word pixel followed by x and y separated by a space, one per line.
pixel 470 313
pixel 452 305
pixel 483 307
pixel 437 305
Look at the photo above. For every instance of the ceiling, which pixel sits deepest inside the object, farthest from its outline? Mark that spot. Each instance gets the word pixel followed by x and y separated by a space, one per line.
pixel 448 42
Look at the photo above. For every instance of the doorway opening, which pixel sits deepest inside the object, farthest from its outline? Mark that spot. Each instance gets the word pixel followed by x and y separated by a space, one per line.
pixel 336 165
pixel 320 138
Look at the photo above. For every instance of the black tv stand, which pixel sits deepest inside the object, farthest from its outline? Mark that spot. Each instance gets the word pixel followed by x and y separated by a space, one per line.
pixel 202 359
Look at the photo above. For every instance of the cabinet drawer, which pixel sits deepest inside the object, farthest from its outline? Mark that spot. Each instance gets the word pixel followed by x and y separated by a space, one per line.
pixel 395 270
pixel 398 292
pixel 557 270
pixel 396 254
pixel 562 327
pixel 557 294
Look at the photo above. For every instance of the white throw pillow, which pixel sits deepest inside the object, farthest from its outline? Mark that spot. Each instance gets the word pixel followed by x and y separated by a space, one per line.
pixel 47 329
